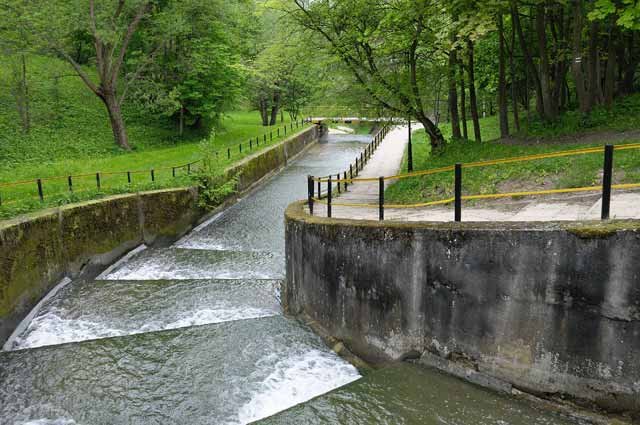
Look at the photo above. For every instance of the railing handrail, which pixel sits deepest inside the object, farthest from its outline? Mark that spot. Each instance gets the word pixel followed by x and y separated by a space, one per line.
pixel 38 181
pixel 457 199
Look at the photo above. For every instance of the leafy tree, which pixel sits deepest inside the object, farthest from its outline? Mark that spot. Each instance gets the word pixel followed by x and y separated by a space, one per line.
pixel 387 46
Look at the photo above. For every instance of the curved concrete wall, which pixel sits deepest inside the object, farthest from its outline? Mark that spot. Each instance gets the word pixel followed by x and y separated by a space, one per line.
pixel 548 308
pixel 38 250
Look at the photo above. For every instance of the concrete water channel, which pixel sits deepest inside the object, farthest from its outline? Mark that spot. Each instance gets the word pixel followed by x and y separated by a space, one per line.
pixel 194 334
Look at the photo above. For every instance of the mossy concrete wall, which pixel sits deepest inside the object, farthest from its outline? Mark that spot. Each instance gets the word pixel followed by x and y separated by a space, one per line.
pixel 38 250
pixel 548 308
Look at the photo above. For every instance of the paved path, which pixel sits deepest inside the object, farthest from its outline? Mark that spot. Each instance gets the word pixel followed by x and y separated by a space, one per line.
pixel 387 161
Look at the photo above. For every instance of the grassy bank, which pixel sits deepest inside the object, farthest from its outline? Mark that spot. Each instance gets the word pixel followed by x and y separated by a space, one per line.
pixel 70 135
pixel 556 173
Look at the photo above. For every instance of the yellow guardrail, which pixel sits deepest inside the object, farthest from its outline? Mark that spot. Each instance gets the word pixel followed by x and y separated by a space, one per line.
pixel 525 158
pixel 605 187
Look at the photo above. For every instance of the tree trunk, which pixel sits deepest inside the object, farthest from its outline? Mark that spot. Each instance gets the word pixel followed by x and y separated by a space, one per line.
pixel 115 116
pixel 264 112
pixel 453 96
pixel 512 71
pixel 610 72
pixel 435 135
pixel 550 110
pixel 472 93
pixel 503 111
pixel 632 59
pixel 463 104
pixel 530 65
pixel 275 108
pixel 181 122
pixel 26 124
pixel 593 84
pixel 578 59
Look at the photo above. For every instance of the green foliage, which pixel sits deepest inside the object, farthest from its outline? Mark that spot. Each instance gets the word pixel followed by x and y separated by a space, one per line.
pixel 576 171
pixel 627 12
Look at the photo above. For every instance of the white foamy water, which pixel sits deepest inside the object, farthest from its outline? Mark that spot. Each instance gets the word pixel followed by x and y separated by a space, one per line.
pixel 59 421
pixel 295 380
pixel 51 329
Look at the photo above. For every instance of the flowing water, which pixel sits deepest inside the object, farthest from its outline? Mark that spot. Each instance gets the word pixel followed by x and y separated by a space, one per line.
pixel 194 334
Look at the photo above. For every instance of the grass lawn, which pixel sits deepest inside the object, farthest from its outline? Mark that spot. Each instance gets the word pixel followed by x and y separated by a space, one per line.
pixel 575 171
pixel 70 135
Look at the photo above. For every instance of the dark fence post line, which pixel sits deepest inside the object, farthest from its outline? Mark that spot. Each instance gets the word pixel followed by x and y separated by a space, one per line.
pixel 240 146
pixel 458 193
pixel 329 197
pixel 346 184
pixel 264 138
pixel 173 172
pixel 271 136
pixel 381 198
pixel 285 130
pixel 98 180
pixel 129 177
pixel 70 183
pixel 607 177
pixel 338 181
pixel 278 132
pixel 310 193
pixel 188 168
pixel 361 161
pixel 351 171
pixel 40 192
pixel 357 166
pixel 250 144
pixel 153 175
pixel 319 188
pixel 228 153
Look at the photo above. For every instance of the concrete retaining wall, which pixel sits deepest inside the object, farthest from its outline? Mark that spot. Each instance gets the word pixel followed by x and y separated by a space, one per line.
pixel 38 250
pixel 548 308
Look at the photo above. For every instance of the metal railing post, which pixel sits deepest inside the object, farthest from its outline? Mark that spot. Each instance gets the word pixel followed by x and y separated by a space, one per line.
pixel 310 193
pixel 129 177
pixel 98 180
pixel 410 151
pixel 228 153
pixel 351 171
pixel 153 175
pixel 319 188
pixel 173 172
pixel 188 168
pixel 381 198
pixel 458 193
pixel 329 197
pixel 607 178
pixel 70 183
pixel 250 144
pixel 338 182
pixel 357 166
pixel 40 192
pixel 346 185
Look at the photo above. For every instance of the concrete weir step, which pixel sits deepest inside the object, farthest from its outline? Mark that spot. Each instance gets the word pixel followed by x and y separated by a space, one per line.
pixel 179 263
pixel 412 394
pixel 86 310
pixel 231 373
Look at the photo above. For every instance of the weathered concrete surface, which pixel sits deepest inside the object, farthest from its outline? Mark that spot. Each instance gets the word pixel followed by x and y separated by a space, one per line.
pixel 38 250
pixel 550 308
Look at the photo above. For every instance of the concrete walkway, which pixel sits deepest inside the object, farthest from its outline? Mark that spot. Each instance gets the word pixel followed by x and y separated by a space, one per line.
pixel 387 160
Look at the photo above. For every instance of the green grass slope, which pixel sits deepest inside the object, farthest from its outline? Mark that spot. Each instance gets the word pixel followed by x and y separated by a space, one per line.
pixel 71 135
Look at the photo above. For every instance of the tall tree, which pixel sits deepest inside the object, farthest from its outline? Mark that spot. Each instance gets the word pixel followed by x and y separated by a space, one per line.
pixel 112 27
pixel 503 111
pixel 391 71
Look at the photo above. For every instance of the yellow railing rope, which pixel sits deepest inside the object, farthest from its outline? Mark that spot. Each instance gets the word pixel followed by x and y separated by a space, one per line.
pixel 485 196
pixel 596 149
